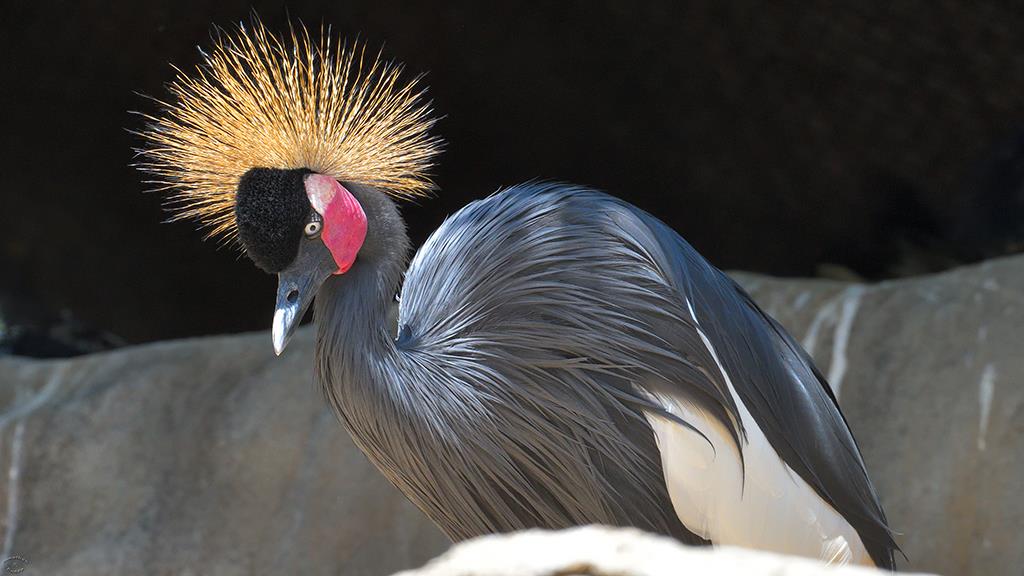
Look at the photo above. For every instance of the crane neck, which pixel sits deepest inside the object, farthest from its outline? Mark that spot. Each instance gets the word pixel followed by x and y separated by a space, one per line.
pixel 356 313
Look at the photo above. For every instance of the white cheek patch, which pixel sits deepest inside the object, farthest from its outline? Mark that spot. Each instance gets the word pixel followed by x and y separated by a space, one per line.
pixel 321 190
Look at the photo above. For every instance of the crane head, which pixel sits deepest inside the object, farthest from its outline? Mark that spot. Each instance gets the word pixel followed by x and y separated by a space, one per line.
pixel 302 226
pixel 257 142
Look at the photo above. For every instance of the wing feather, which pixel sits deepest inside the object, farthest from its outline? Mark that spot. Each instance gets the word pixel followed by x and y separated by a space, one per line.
pixel 776 381
pixel 560 302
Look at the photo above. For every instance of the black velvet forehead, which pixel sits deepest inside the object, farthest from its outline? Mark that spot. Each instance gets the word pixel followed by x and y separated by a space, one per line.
pixel 271 210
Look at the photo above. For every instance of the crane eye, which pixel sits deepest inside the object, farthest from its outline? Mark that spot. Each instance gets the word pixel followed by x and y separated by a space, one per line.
pixel 312 229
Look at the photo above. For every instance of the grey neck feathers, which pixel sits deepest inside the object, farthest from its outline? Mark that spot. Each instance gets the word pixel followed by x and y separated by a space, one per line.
pixel 356 313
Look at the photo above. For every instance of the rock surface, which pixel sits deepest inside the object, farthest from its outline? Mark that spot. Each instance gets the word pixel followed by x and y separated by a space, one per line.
pixel 199 457
pixel 930 374
pixel 210 456
pixel 600 551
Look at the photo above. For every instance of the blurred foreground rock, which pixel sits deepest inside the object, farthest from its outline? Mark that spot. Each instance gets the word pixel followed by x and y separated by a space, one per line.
pixel 211 456
pixel 600 551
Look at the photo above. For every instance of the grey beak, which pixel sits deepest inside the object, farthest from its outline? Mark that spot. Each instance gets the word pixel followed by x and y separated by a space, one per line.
pixel 291 306
pixel 297 285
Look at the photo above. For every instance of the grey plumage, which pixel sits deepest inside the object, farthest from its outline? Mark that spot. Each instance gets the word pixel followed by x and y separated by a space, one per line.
pixel 559 357
pixel 533 326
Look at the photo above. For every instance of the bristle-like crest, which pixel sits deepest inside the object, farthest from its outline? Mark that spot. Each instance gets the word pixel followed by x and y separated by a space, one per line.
pixel 258 100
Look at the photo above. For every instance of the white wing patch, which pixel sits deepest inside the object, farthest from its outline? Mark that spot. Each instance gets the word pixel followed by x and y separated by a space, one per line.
pixel 773 509
pixel 837 551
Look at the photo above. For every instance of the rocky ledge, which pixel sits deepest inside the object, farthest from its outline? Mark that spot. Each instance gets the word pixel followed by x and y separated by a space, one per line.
pixel 211 456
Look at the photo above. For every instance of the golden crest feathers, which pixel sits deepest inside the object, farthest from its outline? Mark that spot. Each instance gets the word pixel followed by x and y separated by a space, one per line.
pixel 258 100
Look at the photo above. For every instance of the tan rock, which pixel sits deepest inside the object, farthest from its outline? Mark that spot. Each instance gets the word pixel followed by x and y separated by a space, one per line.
pixel 205 456
pixel 930 375
pixel 211 456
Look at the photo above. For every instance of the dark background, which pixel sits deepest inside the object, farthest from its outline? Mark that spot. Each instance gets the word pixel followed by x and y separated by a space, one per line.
pixel 867 139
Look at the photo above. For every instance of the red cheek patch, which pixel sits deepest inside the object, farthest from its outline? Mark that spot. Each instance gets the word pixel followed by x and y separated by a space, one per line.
pixel 344 220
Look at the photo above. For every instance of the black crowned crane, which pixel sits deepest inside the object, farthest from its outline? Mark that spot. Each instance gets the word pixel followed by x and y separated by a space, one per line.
pixel 560 357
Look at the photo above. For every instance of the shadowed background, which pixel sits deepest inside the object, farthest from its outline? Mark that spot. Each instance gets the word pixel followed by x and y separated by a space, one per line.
pixel 852 139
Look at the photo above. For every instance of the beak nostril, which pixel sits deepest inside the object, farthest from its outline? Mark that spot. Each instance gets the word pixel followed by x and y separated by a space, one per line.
pixel 293 295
